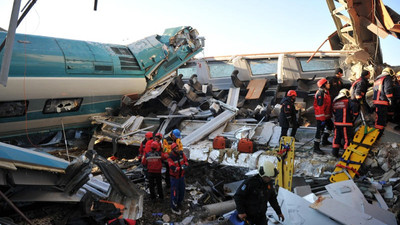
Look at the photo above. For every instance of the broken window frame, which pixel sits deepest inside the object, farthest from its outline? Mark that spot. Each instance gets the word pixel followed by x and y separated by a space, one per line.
pixel 21 108
pixel 253 63
pixel 50 106
pixel 217 72
pixel 317 67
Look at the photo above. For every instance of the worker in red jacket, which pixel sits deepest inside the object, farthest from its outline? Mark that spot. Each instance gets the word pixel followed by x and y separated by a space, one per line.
pixel 383 98
pixel 153 161
pixel 178 163
pixel 343 121
pixel 396 95
pixel 323 114
pixel 148 136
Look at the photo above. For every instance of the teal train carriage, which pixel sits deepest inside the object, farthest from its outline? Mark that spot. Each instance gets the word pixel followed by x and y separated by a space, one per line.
pixel 55 82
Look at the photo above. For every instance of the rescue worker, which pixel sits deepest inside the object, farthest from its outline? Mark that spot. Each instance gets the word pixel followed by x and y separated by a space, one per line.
pixel 148 136
pixel 287 116
pixel 153 161
pixel 396 94
pixel 158 138
pixel 336 83
pixel 173 137
pixel 254 193
pixel 343 121
pixel 323 110
pixel 178 163
pixel 383 98
pixel 358 90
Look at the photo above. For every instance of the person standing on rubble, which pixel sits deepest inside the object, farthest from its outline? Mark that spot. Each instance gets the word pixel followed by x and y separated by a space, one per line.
pixel 383 98
pixel 178 163
pixel 174 137
pixel 323 111
pixel 287 116
pixel 336 83
pixel 153 161
pixel 148 136
pixel 254 193
pixel 358 90
pixel 396 91
pixel 343 121
pixel 158 138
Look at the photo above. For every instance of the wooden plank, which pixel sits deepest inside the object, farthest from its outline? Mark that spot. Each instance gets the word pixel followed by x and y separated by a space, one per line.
pixel 373 28
pixel 255 88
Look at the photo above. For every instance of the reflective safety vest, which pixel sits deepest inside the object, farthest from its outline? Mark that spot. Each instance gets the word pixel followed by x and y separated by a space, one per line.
pixel 383 90
pixel 342 112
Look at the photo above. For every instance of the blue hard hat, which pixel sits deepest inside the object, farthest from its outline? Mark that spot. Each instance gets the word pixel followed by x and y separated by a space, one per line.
pixel 176 133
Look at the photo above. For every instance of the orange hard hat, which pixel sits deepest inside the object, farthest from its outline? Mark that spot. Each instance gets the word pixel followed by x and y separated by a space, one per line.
pixel 292 93
pixel 321 82
pixel 149 134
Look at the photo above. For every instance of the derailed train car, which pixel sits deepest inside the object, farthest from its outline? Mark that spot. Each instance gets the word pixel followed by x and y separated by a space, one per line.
pixel 55 82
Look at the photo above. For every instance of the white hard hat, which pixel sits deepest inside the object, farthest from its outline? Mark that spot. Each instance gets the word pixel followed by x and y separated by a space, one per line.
pixel 267 169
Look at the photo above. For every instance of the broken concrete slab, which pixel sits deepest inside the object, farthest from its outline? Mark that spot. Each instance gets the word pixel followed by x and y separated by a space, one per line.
pixel 297 211
pixel 343 213
pixel 348 193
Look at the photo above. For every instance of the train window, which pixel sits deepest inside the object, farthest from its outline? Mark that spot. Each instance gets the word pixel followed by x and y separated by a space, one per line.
pixel 263 66
pixel 220 69
pixel 62 105
pixel 319 64
pixel 13 109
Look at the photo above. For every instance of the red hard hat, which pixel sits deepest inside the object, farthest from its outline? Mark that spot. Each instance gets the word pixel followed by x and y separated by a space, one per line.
pixel 154 145
pixel 292 93
pixel 159 135
pixel 174 145
pixel 149 134
pixel 321 82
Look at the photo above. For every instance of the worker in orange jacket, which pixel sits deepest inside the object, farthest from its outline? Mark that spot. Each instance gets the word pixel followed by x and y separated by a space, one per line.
pixel 178 164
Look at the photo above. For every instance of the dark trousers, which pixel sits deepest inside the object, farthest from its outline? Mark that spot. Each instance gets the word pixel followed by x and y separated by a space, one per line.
pixel 284 131
pixel 177 192
pixel 257 220
pixel 167 179
pixel 381 116
pixel 342 133
pixel 320 128
pixel 155 179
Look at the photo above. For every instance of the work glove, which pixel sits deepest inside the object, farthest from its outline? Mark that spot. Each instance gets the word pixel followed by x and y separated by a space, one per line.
pixel 323 123
pixel 390 101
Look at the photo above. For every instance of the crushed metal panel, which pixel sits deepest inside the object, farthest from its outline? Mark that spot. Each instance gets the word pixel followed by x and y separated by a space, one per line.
pixel 297 211
pixel 43 195
pixel 32 177
pixel 255 88
pixel 343 213
pixel 348 193
pixel 30 159
pixel 208 128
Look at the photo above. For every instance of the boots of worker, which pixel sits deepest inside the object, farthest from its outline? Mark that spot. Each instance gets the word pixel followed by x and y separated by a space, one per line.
pixel 335 152
pixel 325 139
pixel 317 149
